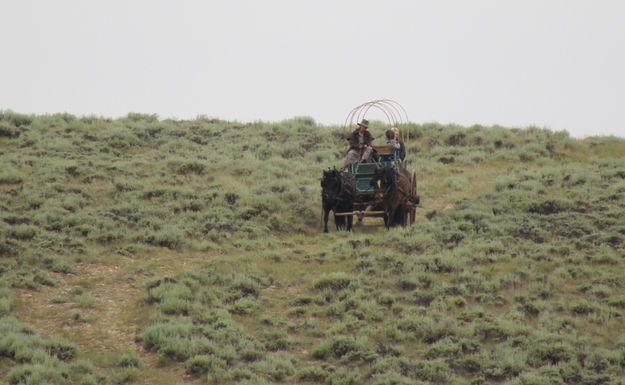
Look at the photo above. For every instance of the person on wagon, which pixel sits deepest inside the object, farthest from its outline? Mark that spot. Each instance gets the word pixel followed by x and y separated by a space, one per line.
pixel 400 147
pixel 390 140
pixel 359 144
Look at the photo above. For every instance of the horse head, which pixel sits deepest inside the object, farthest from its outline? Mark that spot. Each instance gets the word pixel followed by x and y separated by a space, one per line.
pixel 330 183
pixel 384 182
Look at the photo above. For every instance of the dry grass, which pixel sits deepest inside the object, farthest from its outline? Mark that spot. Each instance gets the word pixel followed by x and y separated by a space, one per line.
pixel 102 306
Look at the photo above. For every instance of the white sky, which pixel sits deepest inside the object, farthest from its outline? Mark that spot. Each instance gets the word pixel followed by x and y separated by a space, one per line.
pixel 549 63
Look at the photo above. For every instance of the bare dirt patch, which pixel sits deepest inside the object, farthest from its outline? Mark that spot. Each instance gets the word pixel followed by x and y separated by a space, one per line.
pixel 105 327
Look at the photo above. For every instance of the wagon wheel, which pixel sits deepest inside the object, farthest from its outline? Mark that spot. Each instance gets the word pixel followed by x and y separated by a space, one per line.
pixel 413 193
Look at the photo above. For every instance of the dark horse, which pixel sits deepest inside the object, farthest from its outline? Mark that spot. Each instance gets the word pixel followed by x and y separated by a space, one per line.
pixel 393 191
pixel 338 190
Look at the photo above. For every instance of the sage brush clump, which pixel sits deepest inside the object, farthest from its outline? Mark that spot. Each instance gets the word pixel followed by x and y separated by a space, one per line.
pixel 194 323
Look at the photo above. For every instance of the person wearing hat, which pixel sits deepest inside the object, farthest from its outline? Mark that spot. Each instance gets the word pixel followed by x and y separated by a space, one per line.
pixel 359 144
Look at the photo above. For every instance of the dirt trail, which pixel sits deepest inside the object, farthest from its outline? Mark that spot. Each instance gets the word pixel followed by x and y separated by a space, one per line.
pixel 104 325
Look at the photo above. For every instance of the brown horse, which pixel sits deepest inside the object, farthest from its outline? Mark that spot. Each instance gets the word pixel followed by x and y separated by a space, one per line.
pixel 393 190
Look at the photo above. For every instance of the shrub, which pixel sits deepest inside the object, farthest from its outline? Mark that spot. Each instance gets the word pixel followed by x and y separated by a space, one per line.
pixel 313 374
pixel 341 347
pixel 199 365
pixel 57 264
pixel 344 376
pixel 534 378
pixel 334 281
pixel 583 308
pixel 8 130
pixel 549 350
pixel 85 301
pixel 157 336
pixel 81 366
pixel 23 232
pixel 277 340
pixel 6 301
pixel 456 183
pixel 173 306
pixel 176 349
pixel 166 288
pixel 186 166
pixel 6 305
pixel 243 306
pixel 78 316
pixel 391 378
pixel 8 247
pixel 252 354
pixel 62 350
pixel 277 365
pixel 243 285
pixel 125 375
pixel 37 373
pixel 618 302
pixel 436 371
pixel 170 237
pixel 129 360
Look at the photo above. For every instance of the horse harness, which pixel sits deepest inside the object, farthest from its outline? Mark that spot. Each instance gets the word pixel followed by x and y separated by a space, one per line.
pixel 395 183
pixel 340 196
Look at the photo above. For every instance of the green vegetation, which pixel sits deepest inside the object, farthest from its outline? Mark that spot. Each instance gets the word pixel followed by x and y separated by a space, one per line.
pixel 153 251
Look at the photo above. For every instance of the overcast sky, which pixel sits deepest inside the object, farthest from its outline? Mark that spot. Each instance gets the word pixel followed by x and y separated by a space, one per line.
pixel 548 63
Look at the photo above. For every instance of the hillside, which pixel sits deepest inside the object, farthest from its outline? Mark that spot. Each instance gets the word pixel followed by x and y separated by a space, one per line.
pixel 148 251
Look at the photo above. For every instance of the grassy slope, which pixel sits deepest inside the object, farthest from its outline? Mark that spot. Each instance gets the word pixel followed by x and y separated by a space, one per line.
pixel 513 274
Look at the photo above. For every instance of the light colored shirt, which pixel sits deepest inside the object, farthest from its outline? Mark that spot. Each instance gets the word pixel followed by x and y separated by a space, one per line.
pixel 394 143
